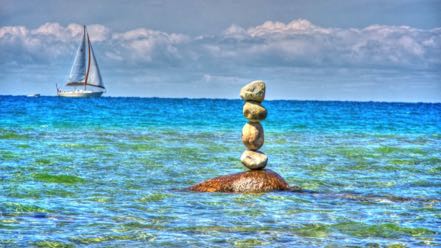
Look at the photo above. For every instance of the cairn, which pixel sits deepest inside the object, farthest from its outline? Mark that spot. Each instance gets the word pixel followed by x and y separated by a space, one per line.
pixel 252 132
pixel 257 179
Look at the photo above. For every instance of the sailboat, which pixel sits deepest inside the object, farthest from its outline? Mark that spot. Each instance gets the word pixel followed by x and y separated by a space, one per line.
pixel 84 73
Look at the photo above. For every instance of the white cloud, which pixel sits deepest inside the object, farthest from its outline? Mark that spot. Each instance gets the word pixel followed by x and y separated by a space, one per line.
pixel 144 44
pixel 298 43
pixel 13 31
pixel 295 27
pixel 51 41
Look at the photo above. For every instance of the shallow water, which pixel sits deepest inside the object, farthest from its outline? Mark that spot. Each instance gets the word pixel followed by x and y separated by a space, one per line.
pixel 108 172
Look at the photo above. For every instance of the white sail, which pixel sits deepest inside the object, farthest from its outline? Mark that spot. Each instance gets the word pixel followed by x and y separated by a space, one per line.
pixel 94 77
pixel 78 70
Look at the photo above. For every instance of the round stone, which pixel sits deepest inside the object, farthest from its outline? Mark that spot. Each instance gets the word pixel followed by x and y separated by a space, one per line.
pixel 253 111
pixel 254 160
pixel 254 91
pixel 252 135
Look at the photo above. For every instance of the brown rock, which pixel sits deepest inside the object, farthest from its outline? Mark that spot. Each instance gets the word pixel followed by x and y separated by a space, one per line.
pixel 253 111
pixel 252 135
pixel 254 181
pixel 254 91
pixel 254 160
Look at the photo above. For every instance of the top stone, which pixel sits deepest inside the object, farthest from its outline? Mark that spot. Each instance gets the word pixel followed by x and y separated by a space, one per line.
pixel 254 91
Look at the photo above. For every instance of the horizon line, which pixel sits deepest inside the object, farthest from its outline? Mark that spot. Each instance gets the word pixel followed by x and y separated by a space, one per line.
pixel 233 99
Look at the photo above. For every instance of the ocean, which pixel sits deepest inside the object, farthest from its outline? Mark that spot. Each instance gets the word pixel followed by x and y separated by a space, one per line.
pixel 110 172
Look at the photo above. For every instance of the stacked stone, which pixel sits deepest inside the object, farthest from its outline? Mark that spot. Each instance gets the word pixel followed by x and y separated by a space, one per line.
pixel 252 133
pixel 257 179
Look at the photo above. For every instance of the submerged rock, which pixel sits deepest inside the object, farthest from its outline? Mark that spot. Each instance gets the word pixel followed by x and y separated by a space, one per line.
pixel 253 111
pixel 254 160
pixel 254 91
pixel 252 135
pixel 254 181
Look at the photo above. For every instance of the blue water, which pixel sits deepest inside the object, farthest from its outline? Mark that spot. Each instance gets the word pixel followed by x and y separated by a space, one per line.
pixel 108 172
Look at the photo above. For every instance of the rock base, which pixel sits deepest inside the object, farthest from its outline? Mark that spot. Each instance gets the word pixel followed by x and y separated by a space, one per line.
pixel 253 181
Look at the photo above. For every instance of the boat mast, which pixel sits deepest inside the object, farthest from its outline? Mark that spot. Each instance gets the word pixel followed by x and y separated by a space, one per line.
pixel 88 58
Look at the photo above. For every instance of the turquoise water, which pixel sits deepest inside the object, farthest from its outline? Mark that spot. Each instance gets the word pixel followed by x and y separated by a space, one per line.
pixel 109 172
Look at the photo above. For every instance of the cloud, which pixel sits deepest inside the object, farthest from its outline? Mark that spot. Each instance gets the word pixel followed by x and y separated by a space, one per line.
pixel 145 45
pixel 298 43
pixel 52 41
pixel 46 43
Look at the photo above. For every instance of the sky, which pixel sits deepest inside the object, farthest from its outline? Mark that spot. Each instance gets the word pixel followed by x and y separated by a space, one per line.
pixel 304 50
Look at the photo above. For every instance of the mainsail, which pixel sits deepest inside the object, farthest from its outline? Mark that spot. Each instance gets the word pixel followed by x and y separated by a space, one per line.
pixel 85 70
pixel 78 70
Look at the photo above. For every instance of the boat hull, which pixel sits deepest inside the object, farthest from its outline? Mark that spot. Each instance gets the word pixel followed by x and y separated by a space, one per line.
pixel 80 94
pixel 33 95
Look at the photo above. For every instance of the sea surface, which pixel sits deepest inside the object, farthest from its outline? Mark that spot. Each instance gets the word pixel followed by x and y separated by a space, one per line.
pixel 110 172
